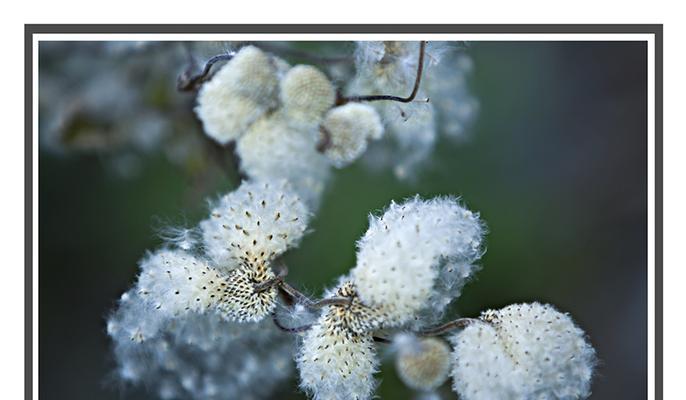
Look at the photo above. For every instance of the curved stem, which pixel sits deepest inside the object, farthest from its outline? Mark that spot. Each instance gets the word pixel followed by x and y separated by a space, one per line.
pixel 415 88
pixel 284 328
pixel 459 323
pixel 187 82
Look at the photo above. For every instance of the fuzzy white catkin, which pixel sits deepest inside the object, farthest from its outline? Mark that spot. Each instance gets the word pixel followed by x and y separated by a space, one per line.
pixel 422 363
pixel 306 94
pixel 349 128
pixel 253 224
pixel 200 356
pixel 527 351
pixel 336 363
pixel 238 94
pixel 405 250
pixel 275 149
pixel 176 282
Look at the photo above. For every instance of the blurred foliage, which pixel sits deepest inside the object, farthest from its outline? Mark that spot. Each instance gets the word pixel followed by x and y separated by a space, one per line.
pixel 556 164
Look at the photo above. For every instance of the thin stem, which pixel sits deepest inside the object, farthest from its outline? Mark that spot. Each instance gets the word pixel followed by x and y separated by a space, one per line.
pixel 459 323
pixel 284 328
pixel 377 97
pixel 188 82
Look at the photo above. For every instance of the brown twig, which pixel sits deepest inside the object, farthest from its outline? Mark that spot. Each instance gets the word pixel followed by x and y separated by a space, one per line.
pixel 459 323
pixel 188 82
pixel 415 89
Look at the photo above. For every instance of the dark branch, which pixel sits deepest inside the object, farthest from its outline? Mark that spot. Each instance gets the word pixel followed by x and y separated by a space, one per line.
pixel 420 68
pixel 284 328
pixel 187 82
pixel 459 323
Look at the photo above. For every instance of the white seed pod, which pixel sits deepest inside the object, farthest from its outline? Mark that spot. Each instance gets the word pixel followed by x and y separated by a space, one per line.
pixel 336 363
pixel 238 94
pixel 543 354
pixel 176 282
pixel 273 149
pixel 422 363
pixel 403 251
pixel 253 224
pixel 306 94
pixel 347 129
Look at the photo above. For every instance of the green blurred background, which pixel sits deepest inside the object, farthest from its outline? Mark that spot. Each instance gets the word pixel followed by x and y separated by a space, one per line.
pixel 556 164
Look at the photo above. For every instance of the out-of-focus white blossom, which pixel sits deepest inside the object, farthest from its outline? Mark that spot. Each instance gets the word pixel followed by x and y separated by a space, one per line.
pixel 238 94
pixel 404 251
pixel 347 130
pixel 390 68
pixel 275 148
pixel 337 358
pixel 306 94
pixel 253 224
pixel 422 363
pixel 201 356
pixel 523 351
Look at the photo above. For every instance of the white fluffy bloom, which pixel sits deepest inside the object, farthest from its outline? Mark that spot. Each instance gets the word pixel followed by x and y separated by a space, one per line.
pixel 254 224
pixel 238 94
pixel 201 356
pixel 404 251
pixel 176 282
pixel 335 361
pixel 422 363
pixel 523 351
pixel 275 149
pixel 347 130
pixel 306 94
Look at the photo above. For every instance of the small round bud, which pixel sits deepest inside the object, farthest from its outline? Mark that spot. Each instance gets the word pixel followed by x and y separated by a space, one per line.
pixel 306 94
pixel 423 363
pixel 346 131
pixel 238 94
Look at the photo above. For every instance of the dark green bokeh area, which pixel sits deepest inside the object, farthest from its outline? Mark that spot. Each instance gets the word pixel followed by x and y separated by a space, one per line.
pixel 556 165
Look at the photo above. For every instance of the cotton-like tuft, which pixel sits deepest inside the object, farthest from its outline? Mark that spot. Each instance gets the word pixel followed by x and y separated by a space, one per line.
pixel 253 224
pixel 405 250
pixel 347 130
pixel 523 351
pixel 200 356
pixel 175 282
pixel 238 94
pixel 274 149
pixel 335 362
pixel 422 363
pixel 306 94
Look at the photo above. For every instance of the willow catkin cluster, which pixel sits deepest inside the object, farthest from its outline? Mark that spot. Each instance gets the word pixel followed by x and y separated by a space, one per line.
pixel 523 351
pixel 398 262
pixel 158 327
pixel 275 114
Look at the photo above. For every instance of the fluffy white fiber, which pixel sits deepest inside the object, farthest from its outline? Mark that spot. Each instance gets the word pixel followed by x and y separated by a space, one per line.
pixel 238 94
pixel 306 94
pixel 523 351
pixel 402 253
pixel 254 224
pixel 349 128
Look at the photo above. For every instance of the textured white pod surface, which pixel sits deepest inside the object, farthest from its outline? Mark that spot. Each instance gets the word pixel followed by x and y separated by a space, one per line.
pixel 176 282
pixel 336 363
pixel 422 363
pixel 402 253
pixel 349 128
pixel 238 94
pixel 306 94
pixel 274 149
pixel 253 224
pixel 547 354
